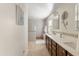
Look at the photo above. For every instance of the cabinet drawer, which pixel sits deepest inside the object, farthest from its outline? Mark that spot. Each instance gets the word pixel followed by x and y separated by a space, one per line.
pixel 53 53
pixel 53 43
pixel 60 51
pixel 49 43
pixel 53 47
pixel 49 47
pixel 50 52
pixel 63 52
pixel 49 40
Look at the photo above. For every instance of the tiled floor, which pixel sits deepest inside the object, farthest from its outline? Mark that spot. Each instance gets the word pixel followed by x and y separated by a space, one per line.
pixel 36 48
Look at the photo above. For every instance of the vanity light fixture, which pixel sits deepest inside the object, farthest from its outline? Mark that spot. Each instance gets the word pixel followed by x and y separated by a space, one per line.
pixel 64 17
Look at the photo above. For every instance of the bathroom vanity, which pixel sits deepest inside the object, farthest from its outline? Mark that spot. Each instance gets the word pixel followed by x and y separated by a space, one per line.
pixel 55 49
pixel 62 36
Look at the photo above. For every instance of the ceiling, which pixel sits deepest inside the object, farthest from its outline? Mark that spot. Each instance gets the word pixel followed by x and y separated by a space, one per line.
pixel 39 10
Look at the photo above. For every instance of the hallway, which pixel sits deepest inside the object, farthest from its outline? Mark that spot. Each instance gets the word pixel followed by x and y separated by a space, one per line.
pixel 37 48
pixel 24 28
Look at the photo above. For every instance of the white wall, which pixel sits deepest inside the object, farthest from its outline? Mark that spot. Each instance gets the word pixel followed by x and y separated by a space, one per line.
pixel 25 30
pixel 11 35
pixel 26 27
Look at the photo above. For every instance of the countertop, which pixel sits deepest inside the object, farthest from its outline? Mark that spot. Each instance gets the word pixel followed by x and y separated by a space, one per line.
pixel 69 46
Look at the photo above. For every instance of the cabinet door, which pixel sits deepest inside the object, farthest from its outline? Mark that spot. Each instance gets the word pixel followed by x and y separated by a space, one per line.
pixel 49 49
pixel 60 51
pixel 53 48
pixel 49 45
pixel 53 42
pixel 46 42
pixel 53 53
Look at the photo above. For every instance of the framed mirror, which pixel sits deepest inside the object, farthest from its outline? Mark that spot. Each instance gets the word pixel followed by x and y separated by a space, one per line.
pixel 53 22
pixel 56 20
pixel 76 17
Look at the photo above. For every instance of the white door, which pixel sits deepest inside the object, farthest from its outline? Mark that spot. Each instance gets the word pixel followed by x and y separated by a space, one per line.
pixel 32 30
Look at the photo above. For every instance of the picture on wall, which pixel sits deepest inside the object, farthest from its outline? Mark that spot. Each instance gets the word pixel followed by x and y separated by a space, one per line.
pixel 19 16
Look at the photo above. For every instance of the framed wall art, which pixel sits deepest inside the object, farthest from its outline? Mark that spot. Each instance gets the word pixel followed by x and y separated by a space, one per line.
pixel 19 16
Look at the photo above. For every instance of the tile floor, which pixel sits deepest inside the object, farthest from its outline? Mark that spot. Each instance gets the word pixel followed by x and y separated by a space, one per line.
pixel 37 48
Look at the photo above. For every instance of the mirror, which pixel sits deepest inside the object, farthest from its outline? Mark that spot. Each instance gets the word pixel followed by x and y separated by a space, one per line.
pixel 76 17
pixel 53 22
pixel 56 20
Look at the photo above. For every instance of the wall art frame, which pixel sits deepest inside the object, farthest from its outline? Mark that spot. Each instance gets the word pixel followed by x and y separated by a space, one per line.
pixel 19 15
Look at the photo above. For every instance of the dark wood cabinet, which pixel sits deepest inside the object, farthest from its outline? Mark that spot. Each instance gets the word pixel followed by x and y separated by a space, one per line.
pixel 60 51
pixel 55 49
pixel 48 44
